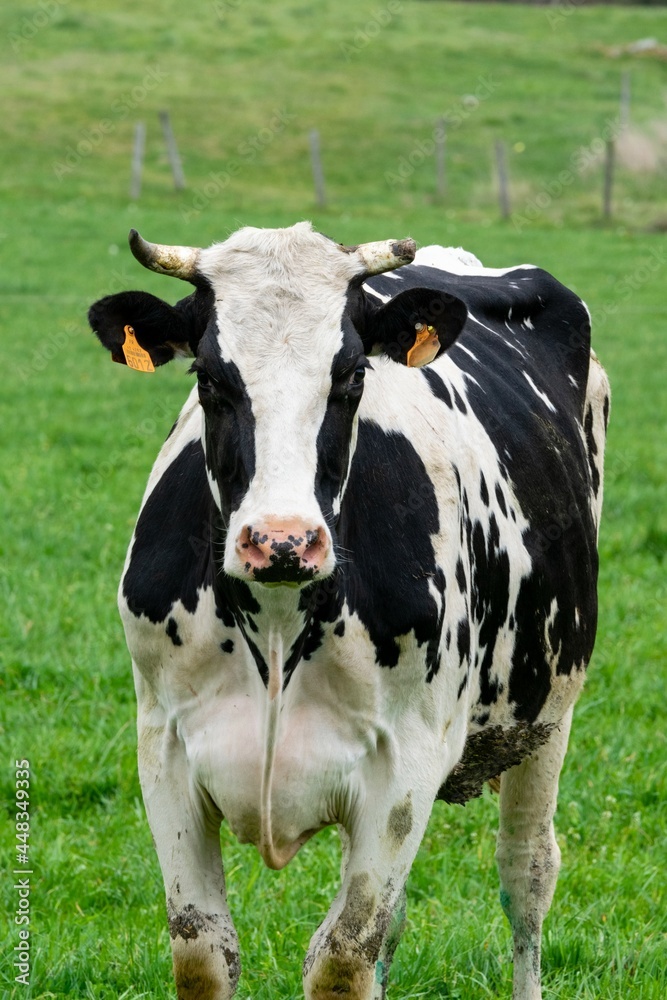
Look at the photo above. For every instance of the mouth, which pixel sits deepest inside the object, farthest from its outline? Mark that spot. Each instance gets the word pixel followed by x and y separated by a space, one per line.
pixel 283 573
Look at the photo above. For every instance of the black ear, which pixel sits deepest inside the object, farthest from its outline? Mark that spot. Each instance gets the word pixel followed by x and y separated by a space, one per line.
pixel 159 328
pixel 393 328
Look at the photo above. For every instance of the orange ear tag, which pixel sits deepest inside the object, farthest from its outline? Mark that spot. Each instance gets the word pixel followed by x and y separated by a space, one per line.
pixel 135 355
pixel 425 347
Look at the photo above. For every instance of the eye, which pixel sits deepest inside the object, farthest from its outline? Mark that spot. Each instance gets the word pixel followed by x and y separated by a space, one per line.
pixel 203 380
pixel 357 376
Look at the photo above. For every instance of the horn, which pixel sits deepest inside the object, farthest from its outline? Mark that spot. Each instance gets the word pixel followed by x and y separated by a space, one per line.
pixel 375 258
pixel 178 262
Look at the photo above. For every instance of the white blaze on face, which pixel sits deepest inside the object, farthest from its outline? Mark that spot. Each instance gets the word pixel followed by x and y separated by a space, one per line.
pixel 279 302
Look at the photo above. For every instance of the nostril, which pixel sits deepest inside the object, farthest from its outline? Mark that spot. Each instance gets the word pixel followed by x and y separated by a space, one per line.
pixel 252 547
pixel 316 546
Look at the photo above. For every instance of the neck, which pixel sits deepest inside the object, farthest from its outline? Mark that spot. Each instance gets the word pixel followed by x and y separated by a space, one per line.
pixel 263 612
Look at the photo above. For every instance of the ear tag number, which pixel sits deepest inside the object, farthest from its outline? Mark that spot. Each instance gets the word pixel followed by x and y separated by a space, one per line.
pixel 425 347
pixel 135 356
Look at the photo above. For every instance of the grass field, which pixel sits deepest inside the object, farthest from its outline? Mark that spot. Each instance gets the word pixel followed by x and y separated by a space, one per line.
pixel 244 82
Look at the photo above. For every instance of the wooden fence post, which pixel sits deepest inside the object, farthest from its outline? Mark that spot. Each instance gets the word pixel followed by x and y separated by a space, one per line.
pixel 440 176
pixel 172 150
pixel 137 160
pixel 608 184
pixel 624 105
pixel 318 173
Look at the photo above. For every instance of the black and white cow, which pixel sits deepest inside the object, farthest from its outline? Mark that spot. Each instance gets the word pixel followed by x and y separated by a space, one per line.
pixel 363 576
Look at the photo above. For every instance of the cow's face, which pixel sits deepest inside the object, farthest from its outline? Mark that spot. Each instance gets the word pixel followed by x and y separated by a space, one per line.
pixel 280 328
pixel 280 371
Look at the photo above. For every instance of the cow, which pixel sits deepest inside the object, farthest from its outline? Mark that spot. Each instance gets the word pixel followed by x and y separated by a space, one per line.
pixel 363 576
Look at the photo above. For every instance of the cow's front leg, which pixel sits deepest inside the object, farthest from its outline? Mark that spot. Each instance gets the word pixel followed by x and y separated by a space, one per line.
pixel 186 831
pixel 351 952
pixel 528 855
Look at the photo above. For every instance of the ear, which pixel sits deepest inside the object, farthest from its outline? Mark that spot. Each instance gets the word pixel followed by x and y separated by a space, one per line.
pixel 160 329
pixel 406 327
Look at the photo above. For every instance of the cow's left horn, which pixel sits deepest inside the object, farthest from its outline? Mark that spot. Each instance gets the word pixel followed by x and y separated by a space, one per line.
pixel 384 256
pixel 178 262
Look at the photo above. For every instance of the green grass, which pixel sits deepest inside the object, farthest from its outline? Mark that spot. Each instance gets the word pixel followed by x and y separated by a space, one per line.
pixel 79 435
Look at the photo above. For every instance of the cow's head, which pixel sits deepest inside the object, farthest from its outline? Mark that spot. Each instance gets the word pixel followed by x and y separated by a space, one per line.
pixel 280 328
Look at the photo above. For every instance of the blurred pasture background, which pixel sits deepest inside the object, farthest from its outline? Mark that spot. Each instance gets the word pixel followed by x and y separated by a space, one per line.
pixel 245 82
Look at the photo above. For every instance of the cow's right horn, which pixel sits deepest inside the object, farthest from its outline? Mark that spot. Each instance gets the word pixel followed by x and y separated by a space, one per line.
pixel 178 262
pixel 387 255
